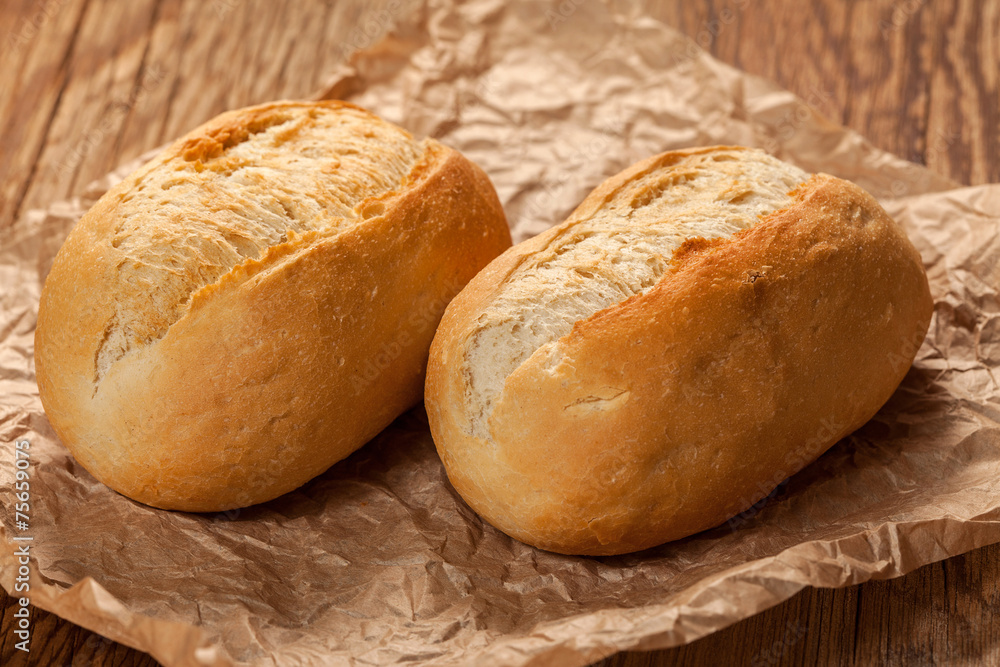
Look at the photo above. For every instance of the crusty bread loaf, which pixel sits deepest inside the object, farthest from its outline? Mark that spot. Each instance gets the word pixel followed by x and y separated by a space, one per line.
pixel 257 302
pixel 704 325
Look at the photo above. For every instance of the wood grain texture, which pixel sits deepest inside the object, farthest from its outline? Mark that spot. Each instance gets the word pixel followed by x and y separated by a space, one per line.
pixel 88 84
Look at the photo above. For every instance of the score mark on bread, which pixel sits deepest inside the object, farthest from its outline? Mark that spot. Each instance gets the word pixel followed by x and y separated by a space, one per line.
pixel 229 196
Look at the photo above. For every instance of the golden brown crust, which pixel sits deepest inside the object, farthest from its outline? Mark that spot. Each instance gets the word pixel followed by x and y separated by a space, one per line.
pixel 674 410
pixel 282 367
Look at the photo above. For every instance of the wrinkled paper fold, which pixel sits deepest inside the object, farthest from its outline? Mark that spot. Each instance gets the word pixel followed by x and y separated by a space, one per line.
pixel 378 561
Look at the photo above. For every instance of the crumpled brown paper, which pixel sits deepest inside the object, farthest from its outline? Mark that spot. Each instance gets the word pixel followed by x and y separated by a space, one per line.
pixel 378 561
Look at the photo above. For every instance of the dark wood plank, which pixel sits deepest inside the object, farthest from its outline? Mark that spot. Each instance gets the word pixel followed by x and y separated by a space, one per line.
pixel 918 78
pixel 36 51
pixel 56 642
pixel 962 110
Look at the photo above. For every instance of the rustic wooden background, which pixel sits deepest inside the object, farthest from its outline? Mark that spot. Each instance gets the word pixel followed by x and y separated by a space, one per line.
pixel 88 84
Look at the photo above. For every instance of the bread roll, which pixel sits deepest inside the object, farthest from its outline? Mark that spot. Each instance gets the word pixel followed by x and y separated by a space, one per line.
pixel 704 325
pixel 257 302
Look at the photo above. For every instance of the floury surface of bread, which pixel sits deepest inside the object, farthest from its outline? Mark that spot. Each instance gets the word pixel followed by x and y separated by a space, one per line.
pixel 229 196
pixel 704 325
pixel 257 302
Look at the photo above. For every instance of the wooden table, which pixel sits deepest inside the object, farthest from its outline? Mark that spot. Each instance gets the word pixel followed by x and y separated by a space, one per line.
pixel 88 84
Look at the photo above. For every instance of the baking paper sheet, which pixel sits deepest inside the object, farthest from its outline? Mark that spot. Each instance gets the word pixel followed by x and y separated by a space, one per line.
pixel 378 561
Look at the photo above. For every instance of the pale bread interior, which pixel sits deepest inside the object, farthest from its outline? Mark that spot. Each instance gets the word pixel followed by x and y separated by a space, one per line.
pixel 620 250
pixel 184 227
